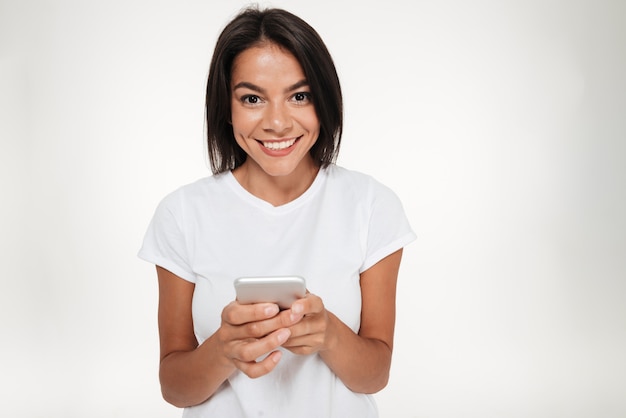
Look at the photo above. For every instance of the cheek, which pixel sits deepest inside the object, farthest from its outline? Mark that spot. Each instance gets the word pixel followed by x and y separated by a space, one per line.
pixel 242 122
pixel 311 122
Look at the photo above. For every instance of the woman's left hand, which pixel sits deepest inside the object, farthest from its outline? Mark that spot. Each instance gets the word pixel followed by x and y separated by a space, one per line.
pixel 312 324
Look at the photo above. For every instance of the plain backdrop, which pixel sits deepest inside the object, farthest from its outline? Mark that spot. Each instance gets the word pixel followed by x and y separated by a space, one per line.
pixel 500 124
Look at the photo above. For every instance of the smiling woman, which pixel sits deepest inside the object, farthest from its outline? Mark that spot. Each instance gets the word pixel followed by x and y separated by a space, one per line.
pixel 500 125
pixel 276 205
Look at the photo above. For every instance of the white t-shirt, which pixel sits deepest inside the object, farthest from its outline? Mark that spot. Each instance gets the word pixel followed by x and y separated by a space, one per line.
pixel 212 231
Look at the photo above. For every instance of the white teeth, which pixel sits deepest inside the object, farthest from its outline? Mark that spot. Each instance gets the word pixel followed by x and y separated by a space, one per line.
pixel 274 145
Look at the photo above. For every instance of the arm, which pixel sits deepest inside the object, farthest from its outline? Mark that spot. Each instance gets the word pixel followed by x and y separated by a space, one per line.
pixel 190 373
pixel 362 361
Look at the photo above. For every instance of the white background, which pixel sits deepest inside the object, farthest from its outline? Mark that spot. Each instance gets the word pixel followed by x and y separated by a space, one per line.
pixel 500 124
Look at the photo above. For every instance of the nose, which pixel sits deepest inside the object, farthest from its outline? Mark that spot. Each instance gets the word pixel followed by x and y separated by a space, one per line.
pixel 277 118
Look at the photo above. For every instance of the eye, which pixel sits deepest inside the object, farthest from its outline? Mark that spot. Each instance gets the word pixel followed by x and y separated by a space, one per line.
pixel 302 97
pixel 250 99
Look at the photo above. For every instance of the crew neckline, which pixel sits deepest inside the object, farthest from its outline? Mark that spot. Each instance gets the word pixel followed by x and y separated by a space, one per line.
pixel 251 199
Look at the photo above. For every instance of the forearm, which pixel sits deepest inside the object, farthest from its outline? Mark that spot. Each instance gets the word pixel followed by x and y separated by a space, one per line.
pixel 191 377
pixel 361 363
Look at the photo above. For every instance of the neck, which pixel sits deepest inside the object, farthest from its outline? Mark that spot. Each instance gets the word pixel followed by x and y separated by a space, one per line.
pixel 276 190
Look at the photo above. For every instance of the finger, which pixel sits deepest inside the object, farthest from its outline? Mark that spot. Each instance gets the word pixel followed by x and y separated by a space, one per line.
pixel 237 314
pixel 310 304
pixel 308 340
pixel 255 369
pixel 251 350
pixel 302 350
pixel 304 344
pixel 260 329
pixel 308 326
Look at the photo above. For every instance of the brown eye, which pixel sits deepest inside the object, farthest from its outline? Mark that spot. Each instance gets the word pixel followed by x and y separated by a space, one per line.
pixel 302 97
pixel 250 99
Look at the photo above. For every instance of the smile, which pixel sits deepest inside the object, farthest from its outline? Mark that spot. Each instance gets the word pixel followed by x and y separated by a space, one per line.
pixel 279 145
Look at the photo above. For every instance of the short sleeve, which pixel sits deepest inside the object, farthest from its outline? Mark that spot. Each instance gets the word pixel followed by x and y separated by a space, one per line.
pixel 388 228
pixel 164 242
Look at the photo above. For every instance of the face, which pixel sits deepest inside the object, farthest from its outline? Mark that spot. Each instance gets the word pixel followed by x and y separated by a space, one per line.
pixel 273 117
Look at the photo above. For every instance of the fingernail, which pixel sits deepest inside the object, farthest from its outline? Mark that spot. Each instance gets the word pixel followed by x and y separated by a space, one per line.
pixel 276 356
pixel 283 336
pixel 296 308
pixel 271 310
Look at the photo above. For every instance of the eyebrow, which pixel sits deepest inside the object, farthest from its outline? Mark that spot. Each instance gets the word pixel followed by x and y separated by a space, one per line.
pixel 251 86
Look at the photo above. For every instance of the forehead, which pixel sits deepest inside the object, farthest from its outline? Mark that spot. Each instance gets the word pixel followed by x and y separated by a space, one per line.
pixel 266 62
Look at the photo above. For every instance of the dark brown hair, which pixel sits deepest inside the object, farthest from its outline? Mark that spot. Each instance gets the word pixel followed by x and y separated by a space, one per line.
pixel 249 28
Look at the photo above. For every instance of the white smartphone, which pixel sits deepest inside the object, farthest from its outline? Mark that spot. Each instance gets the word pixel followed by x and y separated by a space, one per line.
pixel 282 290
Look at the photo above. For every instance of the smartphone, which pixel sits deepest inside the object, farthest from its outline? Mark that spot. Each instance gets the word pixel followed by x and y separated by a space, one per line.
pixel 282 290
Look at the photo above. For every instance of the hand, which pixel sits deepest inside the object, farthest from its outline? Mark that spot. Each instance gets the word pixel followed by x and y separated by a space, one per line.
pixel 250 331
pixel 312 324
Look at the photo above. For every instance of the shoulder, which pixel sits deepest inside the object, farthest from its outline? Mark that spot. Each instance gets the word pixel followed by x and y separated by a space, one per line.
pixel 194 193
pixel 354 182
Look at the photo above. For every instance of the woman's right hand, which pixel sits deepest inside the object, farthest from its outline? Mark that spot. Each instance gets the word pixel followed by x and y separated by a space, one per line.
pixel 191 373
pixel 248 332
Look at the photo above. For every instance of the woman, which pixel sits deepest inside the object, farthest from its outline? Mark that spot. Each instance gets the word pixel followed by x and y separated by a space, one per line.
pixel 276 205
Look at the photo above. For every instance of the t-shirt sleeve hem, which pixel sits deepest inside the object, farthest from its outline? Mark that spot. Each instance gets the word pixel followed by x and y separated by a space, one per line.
pixel 167 265
pixel 387 250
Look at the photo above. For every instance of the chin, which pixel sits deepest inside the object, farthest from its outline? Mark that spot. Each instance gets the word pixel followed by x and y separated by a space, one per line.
pixel 283 166
pixel 279 171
